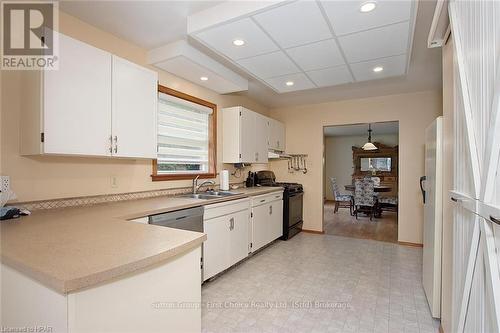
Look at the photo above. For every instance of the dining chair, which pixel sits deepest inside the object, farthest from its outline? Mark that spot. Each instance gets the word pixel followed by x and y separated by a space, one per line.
pixel 388 203
pixel 364 197
pixel 341 200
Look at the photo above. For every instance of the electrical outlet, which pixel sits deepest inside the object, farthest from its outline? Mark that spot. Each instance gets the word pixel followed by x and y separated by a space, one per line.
pixel 114 182
pixel 5 184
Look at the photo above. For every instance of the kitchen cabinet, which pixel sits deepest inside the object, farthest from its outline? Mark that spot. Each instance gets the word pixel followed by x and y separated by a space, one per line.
pixel 276 135
pixel 95 104
pixel 134 92
pixel 226 225
pixel 266 219
pixel 130 303
pixel 245 135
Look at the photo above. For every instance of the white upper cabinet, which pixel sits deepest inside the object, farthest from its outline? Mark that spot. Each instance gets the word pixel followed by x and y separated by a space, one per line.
pixel 276 135
pixel 248 136
pixel 261 138
pixel 76 101
pixel 96 104
pixel 133 110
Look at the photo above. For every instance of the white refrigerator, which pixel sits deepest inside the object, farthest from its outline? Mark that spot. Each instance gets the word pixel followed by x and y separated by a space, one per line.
pixel 432 191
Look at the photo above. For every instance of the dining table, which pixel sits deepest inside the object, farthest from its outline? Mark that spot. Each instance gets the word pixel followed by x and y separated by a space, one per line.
pixel 378 189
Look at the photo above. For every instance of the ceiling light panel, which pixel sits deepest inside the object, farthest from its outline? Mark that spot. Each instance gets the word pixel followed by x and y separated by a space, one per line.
pixel 376 43
pixel 331 76
pixel 345 16
pixel 295 24
pixel 317 55
pixel 392 66
pixel 300 82
pixel 220 38
pixel 269 65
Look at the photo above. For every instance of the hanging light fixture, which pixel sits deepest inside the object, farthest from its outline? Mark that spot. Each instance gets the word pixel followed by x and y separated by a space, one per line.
pixel 369 145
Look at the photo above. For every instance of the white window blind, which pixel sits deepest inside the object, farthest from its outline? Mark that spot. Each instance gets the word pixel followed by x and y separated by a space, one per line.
pixel 183 136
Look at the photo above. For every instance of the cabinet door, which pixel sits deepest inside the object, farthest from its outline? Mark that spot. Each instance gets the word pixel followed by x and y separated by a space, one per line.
pixel 134 110
pixel 216 254
pixel 260 226
pixel 276 135
pixel 239 236
pixel 276 220
pixel 261 138
pixel 77 101
pixel 247 136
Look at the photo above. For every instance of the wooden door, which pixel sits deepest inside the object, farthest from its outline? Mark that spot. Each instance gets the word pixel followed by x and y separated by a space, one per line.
pixel 77 101
pixel 216 256
pixel 476 281
pixel 238 246
pixel 134 110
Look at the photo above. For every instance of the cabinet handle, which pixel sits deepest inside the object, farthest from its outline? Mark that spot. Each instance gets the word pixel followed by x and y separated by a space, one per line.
pixel 231 223
pixel 110 144
pixel 278 143
pixel 270 210
pixel 116 143
pixel 263 200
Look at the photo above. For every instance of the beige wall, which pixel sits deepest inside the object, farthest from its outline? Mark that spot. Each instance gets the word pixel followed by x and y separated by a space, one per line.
pixel 447 245
pixel 46 177
pixel 304 134
pixel 338 157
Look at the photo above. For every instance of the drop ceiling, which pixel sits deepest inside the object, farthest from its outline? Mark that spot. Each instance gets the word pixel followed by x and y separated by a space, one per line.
pixel 390 127
pixel 301 45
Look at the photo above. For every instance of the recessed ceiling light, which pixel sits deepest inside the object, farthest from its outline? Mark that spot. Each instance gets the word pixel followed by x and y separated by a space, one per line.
pixel 239 42
pixel 367 7
pixel 289 83
pixel 378 69
pixel 204 78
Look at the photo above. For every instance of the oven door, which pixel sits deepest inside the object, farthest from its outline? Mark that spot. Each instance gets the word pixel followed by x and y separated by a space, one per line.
pixel 295 208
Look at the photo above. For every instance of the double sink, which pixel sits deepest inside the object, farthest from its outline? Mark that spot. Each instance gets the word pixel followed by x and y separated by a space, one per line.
pixel 209 195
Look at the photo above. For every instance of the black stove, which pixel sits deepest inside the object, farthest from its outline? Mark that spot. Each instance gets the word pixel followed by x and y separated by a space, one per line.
pixel 292 202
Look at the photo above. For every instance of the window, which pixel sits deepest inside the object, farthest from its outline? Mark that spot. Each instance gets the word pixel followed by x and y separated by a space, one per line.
pixel 186 136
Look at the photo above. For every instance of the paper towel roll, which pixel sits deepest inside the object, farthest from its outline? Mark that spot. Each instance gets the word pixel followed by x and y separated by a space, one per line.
pixel 224 180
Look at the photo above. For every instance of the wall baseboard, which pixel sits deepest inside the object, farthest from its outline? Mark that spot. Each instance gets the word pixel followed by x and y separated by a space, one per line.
pixel 410 244
pixel 313 232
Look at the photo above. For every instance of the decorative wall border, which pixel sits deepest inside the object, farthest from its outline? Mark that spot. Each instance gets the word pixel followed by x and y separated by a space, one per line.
pixel 104 198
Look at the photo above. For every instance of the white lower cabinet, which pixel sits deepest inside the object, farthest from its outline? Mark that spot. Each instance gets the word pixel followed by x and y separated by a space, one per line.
pixel 227 227
pixel 266 219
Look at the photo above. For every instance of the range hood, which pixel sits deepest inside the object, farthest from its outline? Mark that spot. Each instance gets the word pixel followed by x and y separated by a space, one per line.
pixel 277 155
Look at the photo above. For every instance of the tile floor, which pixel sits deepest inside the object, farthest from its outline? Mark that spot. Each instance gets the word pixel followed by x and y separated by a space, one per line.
pixel 321 283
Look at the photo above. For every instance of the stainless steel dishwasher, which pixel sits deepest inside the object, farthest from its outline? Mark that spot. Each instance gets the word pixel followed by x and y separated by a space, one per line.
pixel 186 219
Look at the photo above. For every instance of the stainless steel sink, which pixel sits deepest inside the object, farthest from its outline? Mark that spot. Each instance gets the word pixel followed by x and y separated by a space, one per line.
pixel 221 193
pixel 208 195
pixel 200 196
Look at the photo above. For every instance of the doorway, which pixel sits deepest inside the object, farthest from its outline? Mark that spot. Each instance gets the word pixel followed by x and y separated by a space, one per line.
pixel 362 156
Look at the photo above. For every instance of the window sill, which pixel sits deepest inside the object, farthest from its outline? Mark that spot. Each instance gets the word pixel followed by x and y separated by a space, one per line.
pixel 185 176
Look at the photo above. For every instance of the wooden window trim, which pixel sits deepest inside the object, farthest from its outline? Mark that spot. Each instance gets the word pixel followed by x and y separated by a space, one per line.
pixel 212 141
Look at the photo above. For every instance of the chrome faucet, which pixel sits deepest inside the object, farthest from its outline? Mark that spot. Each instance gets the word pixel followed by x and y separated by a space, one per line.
pixel 196 187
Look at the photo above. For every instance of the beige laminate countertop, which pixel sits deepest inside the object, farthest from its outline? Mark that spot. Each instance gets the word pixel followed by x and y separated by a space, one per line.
pixel 70 249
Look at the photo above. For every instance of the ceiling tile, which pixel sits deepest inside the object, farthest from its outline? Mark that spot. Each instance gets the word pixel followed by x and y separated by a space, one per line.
pixel 393 66
pixel 221 39
pixel 269 65
pixel 187 69
pixel 331 76
pixel 376 43
pixel 345 16
pixel 300 82
pixel 295 24
pixel 317 55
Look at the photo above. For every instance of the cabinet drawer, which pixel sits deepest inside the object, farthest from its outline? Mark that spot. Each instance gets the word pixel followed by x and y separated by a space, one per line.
pixel 265 198
pixel 224 208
